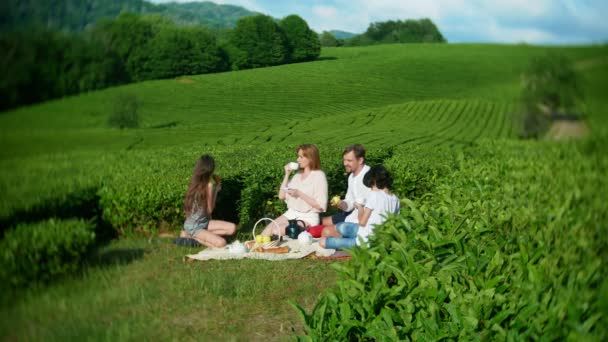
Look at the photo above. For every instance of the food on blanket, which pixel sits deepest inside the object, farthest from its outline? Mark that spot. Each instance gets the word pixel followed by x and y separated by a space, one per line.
pixel 275 250
pixel 335 201
pixel 259 238
pixel 266 239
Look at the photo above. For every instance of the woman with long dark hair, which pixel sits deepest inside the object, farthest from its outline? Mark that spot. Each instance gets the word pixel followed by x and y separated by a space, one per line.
pixel 199 203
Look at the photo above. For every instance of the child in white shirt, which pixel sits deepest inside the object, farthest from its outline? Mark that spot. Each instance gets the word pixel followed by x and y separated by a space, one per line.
pixel 379 203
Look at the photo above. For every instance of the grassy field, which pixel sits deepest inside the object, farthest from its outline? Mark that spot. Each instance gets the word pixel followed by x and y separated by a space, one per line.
pixel 398 100
pixel 240 107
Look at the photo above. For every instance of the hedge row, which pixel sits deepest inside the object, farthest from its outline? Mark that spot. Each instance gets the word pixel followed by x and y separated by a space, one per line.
pixel 135 191
pixel 40 251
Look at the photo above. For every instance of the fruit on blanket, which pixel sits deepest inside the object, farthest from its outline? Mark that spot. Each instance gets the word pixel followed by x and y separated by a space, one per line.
pixel 259 238
pixel 335 201
pixel 266 239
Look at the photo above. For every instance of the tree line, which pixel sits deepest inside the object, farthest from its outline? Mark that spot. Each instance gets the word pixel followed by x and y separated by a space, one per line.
pixel 390 32
pixel 43 64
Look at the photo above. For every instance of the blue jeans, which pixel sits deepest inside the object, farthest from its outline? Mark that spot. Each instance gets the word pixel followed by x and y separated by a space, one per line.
pixel 348 230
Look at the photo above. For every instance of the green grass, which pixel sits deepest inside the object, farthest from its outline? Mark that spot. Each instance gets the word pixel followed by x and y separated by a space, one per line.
pixel 137 288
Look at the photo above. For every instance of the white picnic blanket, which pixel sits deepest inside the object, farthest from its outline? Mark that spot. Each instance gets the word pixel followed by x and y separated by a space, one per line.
pixel 296 251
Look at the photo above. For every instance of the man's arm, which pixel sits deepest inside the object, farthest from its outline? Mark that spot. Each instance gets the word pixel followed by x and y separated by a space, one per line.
pixel 348 203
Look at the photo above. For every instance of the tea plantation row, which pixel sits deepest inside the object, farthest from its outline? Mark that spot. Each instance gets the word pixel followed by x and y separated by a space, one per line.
pixel 510 244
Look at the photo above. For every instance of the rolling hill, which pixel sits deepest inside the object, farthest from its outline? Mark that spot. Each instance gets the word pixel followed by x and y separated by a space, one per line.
pixel 250 106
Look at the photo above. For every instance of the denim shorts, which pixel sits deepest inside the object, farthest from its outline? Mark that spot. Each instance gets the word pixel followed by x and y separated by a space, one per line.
pixel 348 230
pixel 192 227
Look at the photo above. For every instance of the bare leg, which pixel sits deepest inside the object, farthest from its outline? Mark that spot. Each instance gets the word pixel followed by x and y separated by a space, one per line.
pixel 210 239
pixel 327 221
pixel 223 228
pixel 330 231
pixel 271 228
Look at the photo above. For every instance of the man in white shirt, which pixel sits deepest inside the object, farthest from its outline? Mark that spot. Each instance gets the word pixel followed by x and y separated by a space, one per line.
pixel 353 158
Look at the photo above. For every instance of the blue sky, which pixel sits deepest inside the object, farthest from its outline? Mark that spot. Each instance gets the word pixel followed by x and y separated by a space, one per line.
pixel 502 21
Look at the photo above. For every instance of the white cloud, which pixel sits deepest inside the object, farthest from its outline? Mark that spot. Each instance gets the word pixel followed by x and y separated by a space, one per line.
pixel 325 12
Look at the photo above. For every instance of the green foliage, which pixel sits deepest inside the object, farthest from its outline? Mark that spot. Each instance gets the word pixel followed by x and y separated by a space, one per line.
pixel 129 36
pixel 41 65
pixel 552 81
pixel 390 32
pixel 125 112
pixel 500 249
pixel 258 42
pixel 303 42
pixel 180 51
pixel 75 16
pixel 328 39
pixel 44 250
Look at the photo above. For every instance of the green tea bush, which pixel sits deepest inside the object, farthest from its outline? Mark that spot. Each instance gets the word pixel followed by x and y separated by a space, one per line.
pixel 44 250
pixel 142 189
pixel 63 186
pixel 124 112
pixel 416 172
pixel 510 246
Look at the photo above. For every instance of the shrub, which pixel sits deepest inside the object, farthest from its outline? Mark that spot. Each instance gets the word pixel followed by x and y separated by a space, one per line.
pixel 124 113
pixel 43 250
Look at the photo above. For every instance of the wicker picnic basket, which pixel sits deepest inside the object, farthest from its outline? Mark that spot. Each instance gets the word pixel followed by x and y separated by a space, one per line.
pixel 254 244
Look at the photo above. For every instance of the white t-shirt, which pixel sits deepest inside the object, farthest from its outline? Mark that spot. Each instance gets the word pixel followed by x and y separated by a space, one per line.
pixel 356 192
pixel 381 205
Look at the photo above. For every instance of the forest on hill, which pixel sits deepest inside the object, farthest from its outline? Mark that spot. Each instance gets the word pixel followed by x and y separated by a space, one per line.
pixel 60 48
pixel 78 15
pixel 45 64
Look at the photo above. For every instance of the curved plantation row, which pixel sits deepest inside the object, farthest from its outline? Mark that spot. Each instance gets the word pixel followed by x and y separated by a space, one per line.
pixel 423 123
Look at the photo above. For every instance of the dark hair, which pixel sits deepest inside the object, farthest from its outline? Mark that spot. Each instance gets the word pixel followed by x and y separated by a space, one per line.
pixel 197 190
pixel 311 152
pixel 357 149
pixel 379 176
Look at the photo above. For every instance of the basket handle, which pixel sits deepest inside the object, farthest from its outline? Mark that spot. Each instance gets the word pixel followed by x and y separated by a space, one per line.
pixel 268 219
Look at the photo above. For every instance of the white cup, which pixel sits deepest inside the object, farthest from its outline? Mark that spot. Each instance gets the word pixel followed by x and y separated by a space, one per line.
pixel 294 166
pixel 305 239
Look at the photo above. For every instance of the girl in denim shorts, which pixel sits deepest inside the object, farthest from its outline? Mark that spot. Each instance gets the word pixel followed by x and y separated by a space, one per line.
pixel 199 203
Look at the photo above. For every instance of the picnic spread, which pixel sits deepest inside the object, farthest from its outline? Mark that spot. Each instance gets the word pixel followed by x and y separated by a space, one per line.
pixel 284 250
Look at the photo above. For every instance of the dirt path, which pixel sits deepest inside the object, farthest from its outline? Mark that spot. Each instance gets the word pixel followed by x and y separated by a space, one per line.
pixel 567 129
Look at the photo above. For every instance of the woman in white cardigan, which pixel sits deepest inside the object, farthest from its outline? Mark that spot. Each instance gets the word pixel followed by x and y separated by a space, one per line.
pixel 305 193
